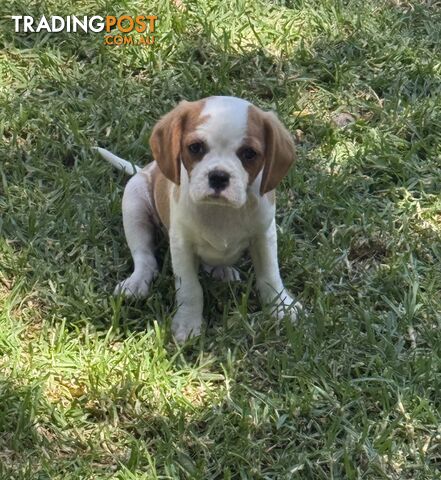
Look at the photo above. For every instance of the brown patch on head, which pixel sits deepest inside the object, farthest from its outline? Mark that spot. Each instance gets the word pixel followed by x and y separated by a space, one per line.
pixel 193 148
pixel 170 137
pixel 276 145
pixel 254 140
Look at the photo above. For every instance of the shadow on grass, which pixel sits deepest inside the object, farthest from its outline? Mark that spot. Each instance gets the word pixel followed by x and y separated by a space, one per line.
pixel 37 441
pixel 21 407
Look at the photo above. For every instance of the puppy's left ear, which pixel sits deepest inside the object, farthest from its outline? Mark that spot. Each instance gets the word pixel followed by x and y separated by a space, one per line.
pixel 165 142
pixel 279 152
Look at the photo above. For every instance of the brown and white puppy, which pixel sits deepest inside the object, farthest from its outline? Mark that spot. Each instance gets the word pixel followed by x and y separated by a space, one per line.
pixel 217 162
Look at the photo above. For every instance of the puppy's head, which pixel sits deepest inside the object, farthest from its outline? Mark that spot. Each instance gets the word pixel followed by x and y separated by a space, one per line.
pixel 225 145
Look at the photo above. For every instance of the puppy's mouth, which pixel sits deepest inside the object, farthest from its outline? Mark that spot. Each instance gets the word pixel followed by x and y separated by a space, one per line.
pixel 225 197
pixel 216 194
pixel 218 198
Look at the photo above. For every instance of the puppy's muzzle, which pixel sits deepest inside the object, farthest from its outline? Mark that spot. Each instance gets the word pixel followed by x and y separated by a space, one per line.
pixel 218 180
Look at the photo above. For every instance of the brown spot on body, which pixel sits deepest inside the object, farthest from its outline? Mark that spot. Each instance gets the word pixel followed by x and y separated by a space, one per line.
pixel 159 189
pixel 161 193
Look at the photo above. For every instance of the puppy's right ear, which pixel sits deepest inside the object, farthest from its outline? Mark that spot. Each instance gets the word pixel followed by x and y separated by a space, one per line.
pixel 165 142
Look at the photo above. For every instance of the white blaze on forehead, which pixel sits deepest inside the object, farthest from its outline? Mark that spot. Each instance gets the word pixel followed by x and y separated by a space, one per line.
pixel 226 122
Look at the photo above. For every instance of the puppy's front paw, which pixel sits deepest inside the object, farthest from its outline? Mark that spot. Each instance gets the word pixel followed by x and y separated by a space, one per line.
pixel 287 307
pixel 185 325
pixel 134 286
pixel 224 274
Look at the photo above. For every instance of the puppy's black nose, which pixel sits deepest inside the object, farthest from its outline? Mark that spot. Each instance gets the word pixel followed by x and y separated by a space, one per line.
pixel 218 180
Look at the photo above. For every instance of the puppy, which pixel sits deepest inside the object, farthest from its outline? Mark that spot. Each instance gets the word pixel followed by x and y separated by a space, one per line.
pixel 217 163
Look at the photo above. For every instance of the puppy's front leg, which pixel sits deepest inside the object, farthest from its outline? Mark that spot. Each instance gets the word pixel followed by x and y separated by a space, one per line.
pixel 263 251
pixel 188 318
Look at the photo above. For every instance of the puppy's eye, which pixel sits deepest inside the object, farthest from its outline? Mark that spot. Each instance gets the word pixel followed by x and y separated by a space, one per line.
pixel 196 148
pixel 247 154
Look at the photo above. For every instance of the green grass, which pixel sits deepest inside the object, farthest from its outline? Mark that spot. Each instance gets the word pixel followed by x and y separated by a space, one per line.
pixel 94 388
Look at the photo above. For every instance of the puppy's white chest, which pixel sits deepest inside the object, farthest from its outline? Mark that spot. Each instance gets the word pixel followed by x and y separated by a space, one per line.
pixel 221 235
pixel 220 248
pixel 218 234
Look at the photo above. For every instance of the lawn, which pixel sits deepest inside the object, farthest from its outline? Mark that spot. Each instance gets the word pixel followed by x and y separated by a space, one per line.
pixel 93 387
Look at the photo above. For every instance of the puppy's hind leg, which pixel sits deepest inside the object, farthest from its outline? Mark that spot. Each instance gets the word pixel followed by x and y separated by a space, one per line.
pixel 139 228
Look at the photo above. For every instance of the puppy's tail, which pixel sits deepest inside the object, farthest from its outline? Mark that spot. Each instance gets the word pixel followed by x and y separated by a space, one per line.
pixel 117 162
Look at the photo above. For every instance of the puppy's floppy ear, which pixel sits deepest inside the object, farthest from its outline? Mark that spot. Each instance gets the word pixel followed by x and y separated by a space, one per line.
pixel 279 152
pixel 165 142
